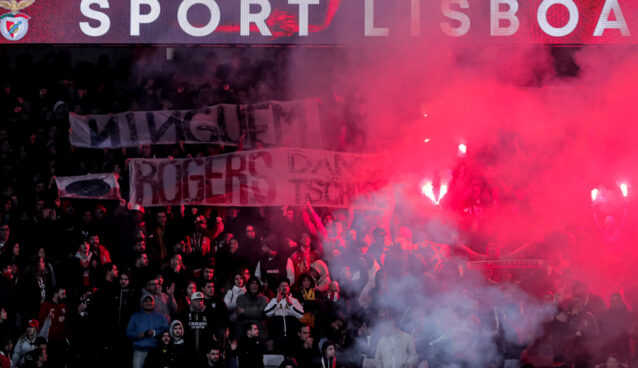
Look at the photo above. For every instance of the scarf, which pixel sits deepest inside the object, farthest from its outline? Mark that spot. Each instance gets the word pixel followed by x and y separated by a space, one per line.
pixel 325 364
pixel 84 260
pixel 308 294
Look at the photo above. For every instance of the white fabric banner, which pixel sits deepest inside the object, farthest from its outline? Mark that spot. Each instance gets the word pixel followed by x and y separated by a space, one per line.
pixel 276 124
pixel 91 186
pixel 269 177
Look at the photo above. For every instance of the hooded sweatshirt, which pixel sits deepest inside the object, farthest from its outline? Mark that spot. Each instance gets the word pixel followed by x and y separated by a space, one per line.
pixel 141 322
pixel 323 281
pixel 180 347
pixel 176 340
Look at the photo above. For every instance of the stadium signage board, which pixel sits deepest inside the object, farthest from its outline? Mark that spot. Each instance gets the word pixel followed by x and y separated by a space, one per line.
pixel 319 22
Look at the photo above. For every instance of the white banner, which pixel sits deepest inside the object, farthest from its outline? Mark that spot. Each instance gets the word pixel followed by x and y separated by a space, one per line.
pixel 91 186
pixel 275 124
pixel 269 177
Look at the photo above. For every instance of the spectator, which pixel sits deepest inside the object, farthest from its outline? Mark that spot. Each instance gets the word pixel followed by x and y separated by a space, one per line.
pixel 328 356
pixel 304 257
pixel 175 272
pixel 6 345
pixel 288 363
pixel 160 237
pixel 250 350
pixel 395 348
pixel 250 306
pixel 184 302
pixel 36 358
pixel 99 251
pixel 4 237
pixel 615 329
pixel 213 358
pixel 232 294
pixel 165 303
pixel 216 310
pixel 199 241
pixel 162 355
pixel 198 328
pixel 272 266
pixel 230 259
pixel 140 272
pixel 143 329
pixel 27 342
pixel 33 289
pixel 104 313
pixel 304 350
pixel 55 310
pixel 305 293
pixel 285 312
pixel 8 291
pixel 180 347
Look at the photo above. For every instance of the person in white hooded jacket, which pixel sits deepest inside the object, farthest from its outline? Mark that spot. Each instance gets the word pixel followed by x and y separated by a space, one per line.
pixel 233 293
pixel 27 342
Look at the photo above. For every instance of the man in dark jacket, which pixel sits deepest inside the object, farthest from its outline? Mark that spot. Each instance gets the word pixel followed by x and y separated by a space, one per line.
pixel 103 314
pixel 250 351
pixel 213 358
pixel 197 326
pixel 216 310
pixel 163 355
pixel 250 306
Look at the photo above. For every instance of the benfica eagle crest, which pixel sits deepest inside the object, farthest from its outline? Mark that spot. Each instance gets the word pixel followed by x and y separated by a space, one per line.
pixel 14 25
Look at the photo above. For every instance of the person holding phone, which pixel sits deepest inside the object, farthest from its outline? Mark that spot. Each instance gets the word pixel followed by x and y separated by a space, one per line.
pixel 285 312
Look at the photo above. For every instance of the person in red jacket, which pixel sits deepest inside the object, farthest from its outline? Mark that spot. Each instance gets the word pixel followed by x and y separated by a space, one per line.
pixel 6 345
pixel 58 332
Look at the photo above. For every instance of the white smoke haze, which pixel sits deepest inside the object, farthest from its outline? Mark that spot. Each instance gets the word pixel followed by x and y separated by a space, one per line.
pixel 543 126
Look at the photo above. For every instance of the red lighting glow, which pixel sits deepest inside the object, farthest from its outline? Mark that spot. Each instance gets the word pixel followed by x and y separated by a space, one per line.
pixel 442 191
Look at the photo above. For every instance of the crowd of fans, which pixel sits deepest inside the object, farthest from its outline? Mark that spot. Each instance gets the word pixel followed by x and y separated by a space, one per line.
pixel 87 283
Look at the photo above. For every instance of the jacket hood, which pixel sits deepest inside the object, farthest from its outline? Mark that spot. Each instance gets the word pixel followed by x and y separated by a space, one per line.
pixel 170 330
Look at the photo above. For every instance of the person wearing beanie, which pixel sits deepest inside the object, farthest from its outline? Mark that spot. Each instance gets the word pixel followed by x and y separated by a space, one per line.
pixel 143 329
pixel 328 357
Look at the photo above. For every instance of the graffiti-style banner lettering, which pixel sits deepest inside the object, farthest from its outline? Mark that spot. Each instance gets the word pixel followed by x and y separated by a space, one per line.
pixel 319 22
pixel 269 177
pixel 291 124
